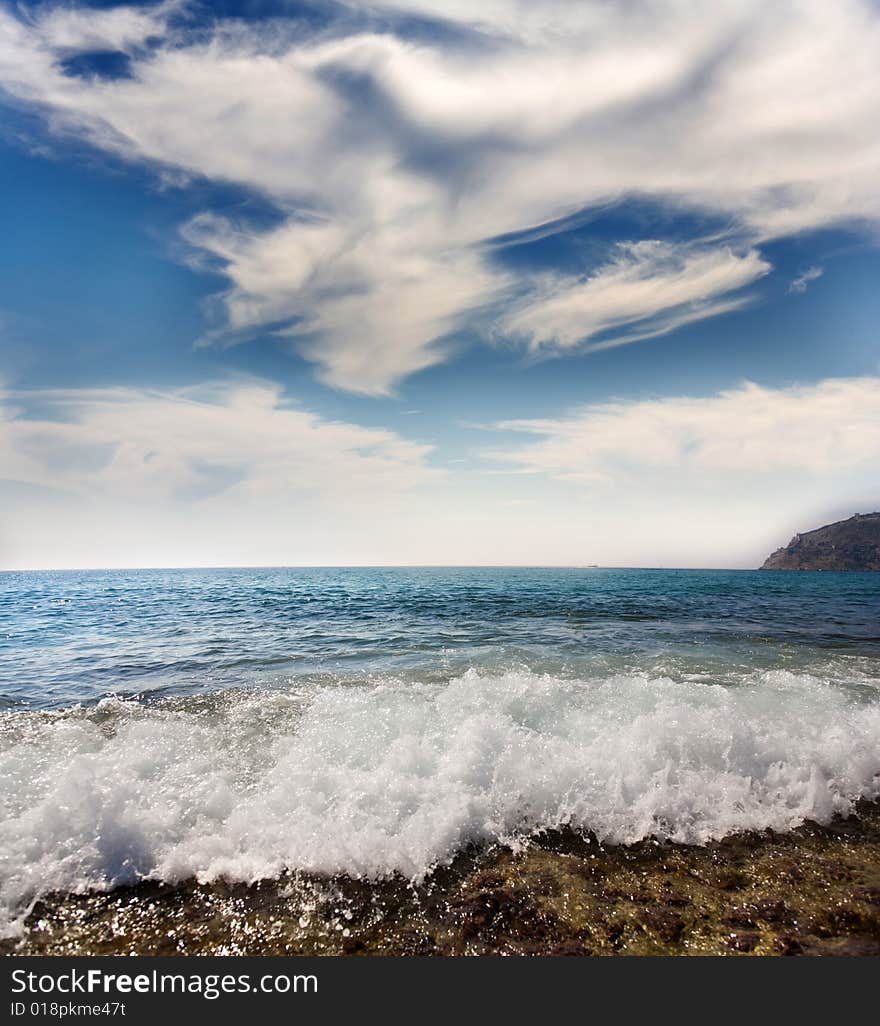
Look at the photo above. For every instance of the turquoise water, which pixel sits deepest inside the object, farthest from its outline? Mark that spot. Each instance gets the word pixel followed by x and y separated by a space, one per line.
pixel 244 724
pixel 79 636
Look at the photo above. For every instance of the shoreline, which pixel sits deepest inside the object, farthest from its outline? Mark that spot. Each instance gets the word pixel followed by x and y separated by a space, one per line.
pixel 812 891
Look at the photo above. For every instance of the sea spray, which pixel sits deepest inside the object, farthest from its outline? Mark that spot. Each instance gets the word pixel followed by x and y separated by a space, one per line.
pixel 396 777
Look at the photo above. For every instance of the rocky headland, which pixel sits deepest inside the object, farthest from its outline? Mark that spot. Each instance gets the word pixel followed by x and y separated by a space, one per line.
pixel 852 544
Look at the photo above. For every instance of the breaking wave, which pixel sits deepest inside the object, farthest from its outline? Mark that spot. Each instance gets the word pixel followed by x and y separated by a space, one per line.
pixel 396 777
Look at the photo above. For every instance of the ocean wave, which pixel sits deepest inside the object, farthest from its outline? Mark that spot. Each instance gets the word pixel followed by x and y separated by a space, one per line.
pixel 393 777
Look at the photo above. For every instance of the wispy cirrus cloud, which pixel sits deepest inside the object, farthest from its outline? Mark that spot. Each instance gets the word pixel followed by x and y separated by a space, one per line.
pixel 830 429
pixel 393 156
pixel 802 281
pixel 69 29
pixel 646 289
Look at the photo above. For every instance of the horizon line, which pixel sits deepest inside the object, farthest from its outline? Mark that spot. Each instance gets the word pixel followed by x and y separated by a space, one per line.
pixel 366 566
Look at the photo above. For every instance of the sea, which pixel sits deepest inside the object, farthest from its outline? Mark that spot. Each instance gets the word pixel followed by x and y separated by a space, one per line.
pixel 242 724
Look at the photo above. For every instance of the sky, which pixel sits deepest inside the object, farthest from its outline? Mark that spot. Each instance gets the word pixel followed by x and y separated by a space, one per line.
pixel 435 282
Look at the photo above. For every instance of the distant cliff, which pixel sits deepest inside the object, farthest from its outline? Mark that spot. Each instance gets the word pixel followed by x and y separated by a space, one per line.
pixel 852 544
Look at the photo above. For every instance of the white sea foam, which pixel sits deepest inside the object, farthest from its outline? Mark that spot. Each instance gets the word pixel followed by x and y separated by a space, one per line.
pixel 396 778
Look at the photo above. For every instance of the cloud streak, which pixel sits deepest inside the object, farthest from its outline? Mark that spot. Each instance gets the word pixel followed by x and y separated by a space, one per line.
pixel 821 430
pixel 646 289
pixel 803 280
pixel 233 440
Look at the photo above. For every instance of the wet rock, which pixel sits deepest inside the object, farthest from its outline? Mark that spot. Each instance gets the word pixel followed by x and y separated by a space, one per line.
pixel 772 910
pixel 502 912
pixel 569 947
pixel 787 945
pixel 871 895
pixel 740 917
pixel 414 942
pixel 744 940
pixel 569 842
pixel 853 947
pixel 665 923
pixel 730 880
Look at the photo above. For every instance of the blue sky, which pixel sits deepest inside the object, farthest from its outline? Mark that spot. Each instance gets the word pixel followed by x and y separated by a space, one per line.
pixel 359 282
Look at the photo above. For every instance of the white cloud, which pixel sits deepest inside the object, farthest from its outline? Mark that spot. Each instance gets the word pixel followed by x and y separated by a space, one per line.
pixel 393 162
pixel 374 306
pixel 645 290
pixel 231 475
pixel 77 30
pixel 237 440
pixel 802 281
pixel 824 430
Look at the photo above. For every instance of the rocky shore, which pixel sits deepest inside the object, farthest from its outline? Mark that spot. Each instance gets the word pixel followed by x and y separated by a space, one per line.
pixel 814 891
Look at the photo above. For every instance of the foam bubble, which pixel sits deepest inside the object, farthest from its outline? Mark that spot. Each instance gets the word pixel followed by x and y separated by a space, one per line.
pixel 397 778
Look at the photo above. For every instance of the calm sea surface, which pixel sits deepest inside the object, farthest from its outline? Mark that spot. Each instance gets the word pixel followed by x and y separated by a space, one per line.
pixel 79 636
